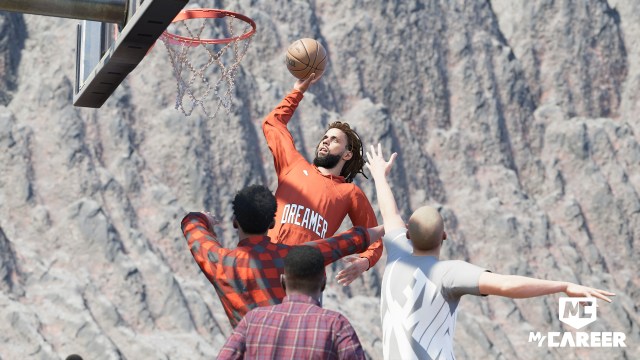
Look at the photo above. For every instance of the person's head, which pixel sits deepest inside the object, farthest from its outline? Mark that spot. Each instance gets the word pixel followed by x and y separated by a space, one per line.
pixel 304 271
pixel 341 146
pixel 426 229
pixel 254 209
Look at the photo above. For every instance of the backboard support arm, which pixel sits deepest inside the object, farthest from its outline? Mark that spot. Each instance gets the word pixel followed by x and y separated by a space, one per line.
pixel 108 11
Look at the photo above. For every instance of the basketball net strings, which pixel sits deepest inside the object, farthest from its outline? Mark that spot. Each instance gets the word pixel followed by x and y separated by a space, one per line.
pixel 179 58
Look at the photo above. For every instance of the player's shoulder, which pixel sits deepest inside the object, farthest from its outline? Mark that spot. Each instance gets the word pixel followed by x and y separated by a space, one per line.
pixel 300 167
pixel 351 187
pixel 328 316
pixel 355 186
pixel 456 268
pixel 452 264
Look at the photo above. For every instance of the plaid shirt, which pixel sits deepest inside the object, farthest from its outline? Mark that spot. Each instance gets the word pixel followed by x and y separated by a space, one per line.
pixel 249 275
pixel 296 329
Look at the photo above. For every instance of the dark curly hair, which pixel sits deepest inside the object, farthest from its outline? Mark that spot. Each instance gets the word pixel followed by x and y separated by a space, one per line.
pixel 355 165
pixel 254 207
pixel 304 268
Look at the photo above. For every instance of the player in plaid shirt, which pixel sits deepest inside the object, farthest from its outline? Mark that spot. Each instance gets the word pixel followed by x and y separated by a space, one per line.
pixel 249 275
pixel 299 328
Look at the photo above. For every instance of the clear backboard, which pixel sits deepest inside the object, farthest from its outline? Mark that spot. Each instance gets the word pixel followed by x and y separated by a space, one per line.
pixel 106 53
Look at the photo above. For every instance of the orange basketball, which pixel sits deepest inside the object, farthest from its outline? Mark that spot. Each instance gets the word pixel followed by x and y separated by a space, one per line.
pixel 306 56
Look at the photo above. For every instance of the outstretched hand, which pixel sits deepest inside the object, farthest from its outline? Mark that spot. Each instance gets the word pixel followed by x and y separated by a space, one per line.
pixel 357 266
pixel 376 163
pixel 303 84
pixel 575 290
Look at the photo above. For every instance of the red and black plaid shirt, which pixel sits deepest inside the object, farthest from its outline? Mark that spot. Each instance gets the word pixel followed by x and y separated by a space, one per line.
pixel 249 275
pixel 296 329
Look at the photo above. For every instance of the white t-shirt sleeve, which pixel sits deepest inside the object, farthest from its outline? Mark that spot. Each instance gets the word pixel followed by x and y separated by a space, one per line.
pixel 461 279
pixel 396 244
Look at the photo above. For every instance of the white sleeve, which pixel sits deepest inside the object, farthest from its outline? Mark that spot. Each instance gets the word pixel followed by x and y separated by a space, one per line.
pixel 396 244
pixel 461 279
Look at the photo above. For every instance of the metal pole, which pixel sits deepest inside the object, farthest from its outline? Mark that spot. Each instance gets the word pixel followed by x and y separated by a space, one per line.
pixel 110 11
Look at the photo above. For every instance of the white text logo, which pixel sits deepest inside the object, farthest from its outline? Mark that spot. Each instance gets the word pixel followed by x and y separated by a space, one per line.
pixel 578 313
pixel 571 314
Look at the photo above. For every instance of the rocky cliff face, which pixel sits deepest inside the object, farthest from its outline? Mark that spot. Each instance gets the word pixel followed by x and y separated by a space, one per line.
pixel 518 118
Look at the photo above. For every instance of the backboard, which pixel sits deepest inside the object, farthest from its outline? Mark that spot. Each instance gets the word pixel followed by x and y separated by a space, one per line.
pixel 106 53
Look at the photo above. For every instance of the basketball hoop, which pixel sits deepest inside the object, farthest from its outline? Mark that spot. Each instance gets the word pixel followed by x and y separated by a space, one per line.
pixel 189 69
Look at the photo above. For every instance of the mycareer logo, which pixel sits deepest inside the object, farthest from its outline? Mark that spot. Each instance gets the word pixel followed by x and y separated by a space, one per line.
pixel 578 313
pixel 570 313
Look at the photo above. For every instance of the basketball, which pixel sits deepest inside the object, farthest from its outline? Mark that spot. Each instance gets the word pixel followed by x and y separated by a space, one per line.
pixel 306 56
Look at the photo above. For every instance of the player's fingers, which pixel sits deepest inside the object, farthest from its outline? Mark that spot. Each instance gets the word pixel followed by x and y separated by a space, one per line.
pixel 380 149
pixel 604 292
pixel 392 158
pixel 347 268
pixel 346 278
pixel 373 151
pixel 306 82
pixel 349 259
pixel 346 282
pixel 604 295
pixel 344 274
pixel 600 296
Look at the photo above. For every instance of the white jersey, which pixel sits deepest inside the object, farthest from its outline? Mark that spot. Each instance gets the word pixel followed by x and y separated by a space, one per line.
pixel 420 297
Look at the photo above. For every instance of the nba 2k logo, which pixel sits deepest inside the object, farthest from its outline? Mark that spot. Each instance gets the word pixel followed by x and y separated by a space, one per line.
pixel 577 312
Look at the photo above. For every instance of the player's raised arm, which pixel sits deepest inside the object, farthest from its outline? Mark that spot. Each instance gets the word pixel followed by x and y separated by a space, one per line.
pixel 379 168
pixel 275 129
pixel 197 229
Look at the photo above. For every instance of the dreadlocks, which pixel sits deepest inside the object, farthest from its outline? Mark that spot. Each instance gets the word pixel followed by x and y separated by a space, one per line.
pixel 354 165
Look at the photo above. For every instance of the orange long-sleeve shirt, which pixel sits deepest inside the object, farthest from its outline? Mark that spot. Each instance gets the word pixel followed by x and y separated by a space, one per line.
pixel 311 205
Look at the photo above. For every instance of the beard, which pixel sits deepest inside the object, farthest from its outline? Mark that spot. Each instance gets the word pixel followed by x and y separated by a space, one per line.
pixel 328 161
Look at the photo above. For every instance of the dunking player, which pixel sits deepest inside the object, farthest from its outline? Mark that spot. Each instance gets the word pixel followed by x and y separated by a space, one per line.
pixel 313 199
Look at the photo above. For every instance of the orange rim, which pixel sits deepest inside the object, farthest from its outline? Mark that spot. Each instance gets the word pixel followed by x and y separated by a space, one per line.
pixel 210 14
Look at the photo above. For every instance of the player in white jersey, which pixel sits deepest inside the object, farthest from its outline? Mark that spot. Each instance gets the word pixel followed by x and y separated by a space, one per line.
pixel 420 292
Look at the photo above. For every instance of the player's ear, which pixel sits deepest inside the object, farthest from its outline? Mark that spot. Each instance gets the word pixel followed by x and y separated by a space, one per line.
pixel 324 283
pixel 347 155
pixel 444 235
pixel 282 282
pixel 272 225
pixel 235 223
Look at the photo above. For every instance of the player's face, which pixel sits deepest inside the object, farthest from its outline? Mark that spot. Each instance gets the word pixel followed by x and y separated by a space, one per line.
pixel 334 142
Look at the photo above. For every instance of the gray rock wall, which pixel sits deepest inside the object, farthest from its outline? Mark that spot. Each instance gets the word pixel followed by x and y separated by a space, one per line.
pixel 519 118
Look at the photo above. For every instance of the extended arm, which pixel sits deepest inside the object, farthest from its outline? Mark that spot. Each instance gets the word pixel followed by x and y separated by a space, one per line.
pixel 352 241
pixel 361 215
pixel 517 287
pixel 380 168
pixel 275 129
pixel 196 228
pixel 391 216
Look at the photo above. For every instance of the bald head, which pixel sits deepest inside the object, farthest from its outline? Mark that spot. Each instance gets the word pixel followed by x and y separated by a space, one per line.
pixel 426 228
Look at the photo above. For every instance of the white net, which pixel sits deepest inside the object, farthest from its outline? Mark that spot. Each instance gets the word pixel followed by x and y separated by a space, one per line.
pixel 203 79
